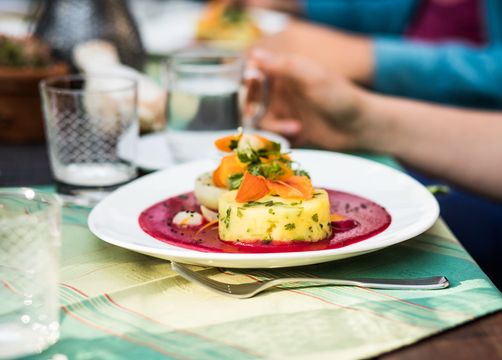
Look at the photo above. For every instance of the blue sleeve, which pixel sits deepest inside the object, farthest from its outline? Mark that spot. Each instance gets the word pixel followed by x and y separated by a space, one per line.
pixel 364 16
pixel 449 73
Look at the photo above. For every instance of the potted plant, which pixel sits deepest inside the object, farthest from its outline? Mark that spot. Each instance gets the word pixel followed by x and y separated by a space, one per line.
pixel 23 63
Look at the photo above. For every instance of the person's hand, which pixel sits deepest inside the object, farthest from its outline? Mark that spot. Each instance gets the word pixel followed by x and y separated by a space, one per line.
pixel 290 6
pixel 310 104
pixel 348 54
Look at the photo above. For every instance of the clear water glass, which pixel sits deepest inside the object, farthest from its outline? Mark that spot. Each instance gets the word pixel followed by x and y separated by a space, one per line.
pixel 29 266
pixel 210 92
pixel 92 130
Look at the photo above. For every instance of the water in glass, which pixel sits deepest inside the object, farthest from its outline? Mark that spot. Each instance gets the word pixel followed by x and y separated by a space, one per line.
pixel 208 94
pixel 29 266
pixel 90 121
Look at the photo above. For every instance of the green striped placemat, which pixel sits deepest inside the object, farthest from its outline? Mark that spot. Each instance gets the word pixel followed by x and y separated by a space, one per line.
pixel 119 304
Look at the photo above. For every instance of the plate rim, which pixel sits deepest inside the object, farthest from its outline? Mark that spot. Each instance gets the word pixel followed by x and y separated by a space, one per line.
pixel 176 251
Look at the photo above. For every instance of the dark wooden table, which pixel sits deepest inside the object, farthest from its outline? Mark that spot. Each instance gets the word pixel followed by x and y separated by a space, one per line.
pixel 480 339
pixel 27 165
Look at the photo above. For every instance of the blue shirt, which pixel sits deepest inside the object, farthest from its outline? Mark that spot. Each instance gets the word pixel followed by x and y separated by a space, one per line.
pixel 451 73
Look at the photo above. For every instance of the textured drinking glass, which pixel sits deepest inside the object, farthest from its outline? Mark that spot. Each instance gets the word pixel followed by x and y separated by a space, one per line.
pixel 92 131
pixel 210 91
pixel 29 266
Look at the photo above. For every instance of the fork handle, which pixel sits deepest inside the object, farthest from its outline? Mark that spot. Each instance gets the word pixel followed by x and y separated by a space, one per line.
pixel 429 283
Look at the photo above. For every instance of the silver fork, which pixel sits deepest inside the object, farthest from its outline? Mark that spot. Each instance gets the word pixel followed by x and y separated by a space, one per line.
pixel 247 290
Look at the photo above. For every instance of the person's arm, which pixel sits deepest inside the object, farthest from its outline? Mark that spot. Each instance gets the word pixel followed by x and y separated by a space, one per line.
pixel 363 16
pixel 461 146
pixel 311 105
pixel 348 54
pixel 450 73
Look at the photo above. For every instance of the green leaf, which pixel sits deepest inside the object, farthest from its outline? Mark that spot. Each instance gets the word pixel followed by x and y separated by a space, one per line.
pixel 438 189
pixel 275 147
pixel 235 181
pixel 233 144
pixel 234 14
pixel 248 156
pixel 301 172
pixel 264 203
pixel 289 226
pixel 226 218
pixel 255 170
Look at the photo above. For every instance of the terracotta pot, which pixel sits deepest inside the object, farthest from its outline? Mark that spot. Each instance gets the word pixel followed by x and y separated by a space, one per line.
pixel 21 118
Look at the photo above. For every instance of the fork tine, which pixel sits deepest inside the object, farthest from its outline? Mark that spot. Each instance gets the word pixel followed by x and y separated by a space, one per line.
pixel 193 275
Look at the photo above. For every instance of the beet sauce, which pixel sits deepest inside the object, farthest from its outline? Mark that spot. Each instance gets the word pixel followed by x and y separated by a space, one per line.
pixel 365 219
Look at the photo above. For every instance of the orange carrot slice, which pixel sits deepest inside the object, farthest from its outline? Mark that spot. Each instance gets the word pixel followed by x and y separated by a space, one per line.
pixel 224 143
pixel 287 173
pixel 252 188
pixel 267 144
pixel 337 217
pixel 229 165
pixel 293 187
pixel 208 225
pixel 284 190
pixel 302 184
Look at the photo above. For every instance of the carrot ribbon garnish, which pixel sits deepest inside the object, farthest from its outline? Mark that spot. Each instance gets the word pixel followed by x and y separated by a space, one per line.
pixel 224 143
pixel 255 187
pixel 302 184
pixel 252 188
pixel 208 225
pixel 337 217
pixel 267 144
pixel 283 189
pixel 230 165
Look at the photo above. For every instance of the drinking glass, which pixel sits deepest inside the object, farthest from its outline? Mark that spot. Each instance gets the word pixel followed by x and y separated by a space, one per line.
pixel 29 266
pixel 210 92
pixel 91 125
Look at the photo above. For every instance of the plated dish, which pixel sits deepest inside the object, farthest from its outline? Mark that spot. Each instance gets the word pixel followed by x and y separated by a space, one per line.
pixel 412 209
pixel 258 200
pixel 228 22
pixel 173 25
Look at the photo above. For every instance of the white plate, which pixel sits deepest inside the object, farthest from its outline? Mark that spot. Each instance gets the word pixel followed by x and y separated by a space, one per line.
pixel 167 26
pixel 154 154
pixel 412 207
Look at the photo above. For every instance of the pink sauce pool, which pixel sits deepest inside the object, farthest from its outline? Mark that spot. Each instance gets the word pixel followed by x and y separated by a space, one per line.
pixel 365 219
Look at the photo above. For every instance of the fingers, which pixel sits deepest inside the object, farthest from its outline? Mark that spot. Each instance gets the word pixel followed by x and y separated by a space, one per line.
pixel 279 65
pixel 287 127
pixel 292 68
pixel 292 6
